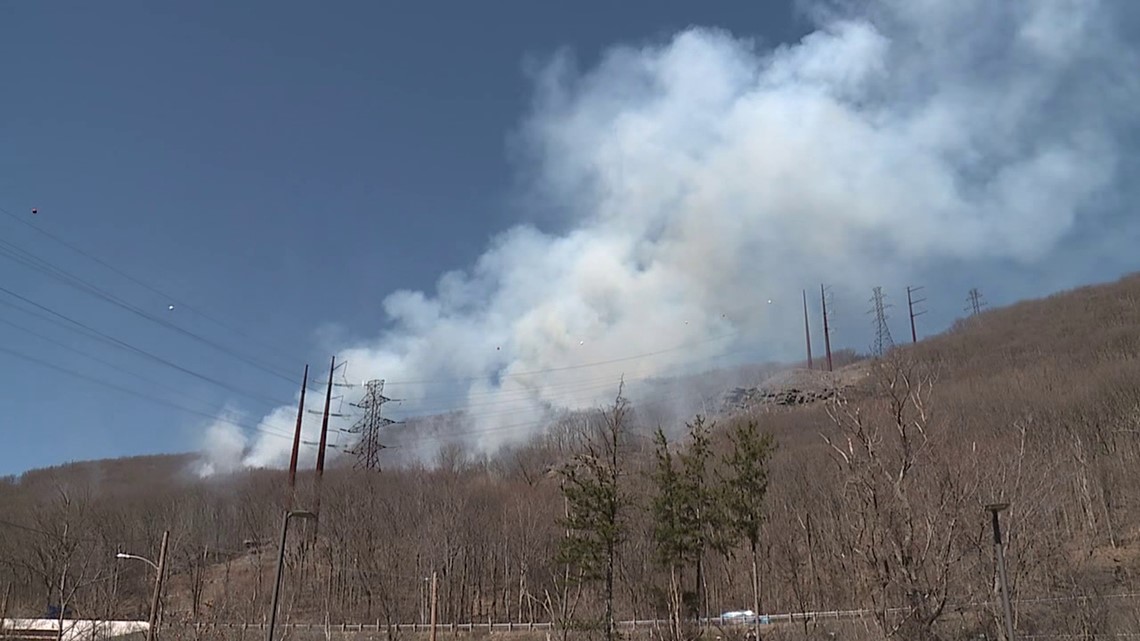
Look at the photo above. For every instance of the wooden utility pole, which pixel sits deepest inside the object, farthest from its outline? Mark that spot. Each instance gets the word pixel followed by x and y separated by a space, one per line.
pixel 826 329
pixel 297 441
pixel 434 604
pixel 157 587
pixel 4 608
pixel 994 509
pixel 807 330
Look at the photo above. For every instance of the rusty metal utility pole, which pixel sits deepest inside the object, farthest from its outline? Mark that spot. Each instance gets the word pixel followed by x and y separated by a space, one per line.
pixel 297 440
pixel 1007 610
pixel 324 440
pixel 910 303
pixel 325 424
pixel 826 329
pixel 807 330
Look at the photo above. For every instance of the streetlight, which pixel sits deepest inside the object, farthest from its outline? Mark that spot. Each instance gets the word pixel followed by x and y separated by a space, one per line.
pixel 159 570
pixel 152 564
pixel 995 509
pixel 281 562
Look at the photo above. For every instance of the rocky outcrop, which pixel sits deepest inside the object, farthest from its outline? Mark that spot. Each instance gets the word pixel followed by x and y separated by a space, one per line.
pixel 790 388
pixel 743 398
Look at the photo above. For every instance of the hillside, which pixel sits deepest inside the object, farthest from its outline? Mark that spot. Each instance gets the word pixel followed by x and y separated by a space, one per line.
pixel 113 476
pixel 875 501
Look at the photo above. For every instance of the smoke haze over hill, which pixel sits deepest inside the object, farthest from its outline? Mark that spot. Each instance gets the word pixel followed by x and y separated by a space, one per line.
pixel 700 177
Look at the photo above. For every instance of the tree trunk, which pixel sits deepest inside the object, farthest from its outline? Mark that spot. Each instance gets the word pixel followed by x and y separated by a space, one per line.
pixel 675 599
pixel 62 584
pixel 700 592
pixel 610 593
pixel 755 589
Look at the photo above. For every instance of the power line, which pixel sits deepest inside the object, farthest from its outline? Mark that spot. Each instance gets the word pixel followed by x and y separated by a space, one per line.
pixel 33 530
pixel 41 265
pixel 37 264
pixel 96 359
pixel 141 352
pixel 527 396
pixel 131 392
pixel 467 379
pixel 564 388
pixel 143 284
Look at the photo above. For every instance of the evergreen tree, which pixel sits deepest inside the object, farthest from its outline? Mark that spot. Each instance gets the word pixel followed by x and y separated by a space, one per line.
pixel 672 531
pixel 705 513
pixel 596 504
pixel 688 518
pixel 744 490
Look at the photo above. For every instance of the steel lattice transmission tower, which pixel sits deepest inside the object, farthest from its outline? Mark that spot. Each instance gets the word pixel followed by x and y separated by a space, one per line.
pixel 367 449
pixel 883 341
pixel 976 302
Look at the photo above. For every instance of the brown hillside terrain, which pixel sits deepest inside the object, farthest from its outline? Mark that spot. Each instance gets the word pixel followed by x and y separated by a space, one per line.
pixel 875 502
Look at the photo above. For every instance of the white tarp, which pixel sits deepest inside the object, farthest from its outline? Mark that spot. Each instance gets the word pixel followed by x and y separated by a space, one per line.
pixel 77 629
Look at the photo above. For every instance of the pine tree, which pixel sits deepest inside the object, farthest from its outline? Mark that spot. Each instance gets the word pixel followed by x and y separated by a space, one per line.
pixel 688 518
pixel 744 491
pixel 706 515
pixel 672 533
pixel 596 505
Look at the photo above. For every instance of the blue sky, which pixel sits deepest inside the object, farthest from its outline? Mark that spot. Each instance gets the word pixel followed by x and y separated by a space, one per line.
pixel 283 168
pixel 277 165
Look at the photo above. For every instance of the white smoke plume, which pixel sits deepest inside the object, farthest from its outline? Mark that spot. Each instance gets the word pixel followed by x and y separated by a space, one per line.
pixel 223 447
pixel 700 177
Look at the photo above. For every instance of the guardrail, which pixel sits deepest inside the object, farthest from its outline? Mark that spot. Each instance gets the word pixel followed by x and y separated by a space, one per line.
pixel 379 626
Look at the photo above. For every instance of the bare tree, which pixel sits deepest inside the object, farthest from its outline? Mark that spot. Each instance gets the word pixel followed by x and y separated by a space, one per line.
pixel 904 504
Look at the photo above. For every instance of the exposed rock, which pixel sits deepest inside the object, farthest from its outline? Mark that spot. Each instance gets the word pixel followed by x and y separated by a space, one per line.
pixel 792 388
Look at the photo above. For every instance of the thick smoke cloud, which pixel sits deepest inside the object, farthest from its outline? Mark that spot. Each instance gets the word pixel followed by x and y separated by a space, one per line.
pixel 702 176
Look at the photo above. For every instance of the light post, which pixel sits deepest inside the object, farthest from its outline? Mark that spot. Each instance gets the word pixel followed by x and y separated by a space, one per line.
pixel 152 564
pixel 159 570
pixel 994 509
pixel 281 562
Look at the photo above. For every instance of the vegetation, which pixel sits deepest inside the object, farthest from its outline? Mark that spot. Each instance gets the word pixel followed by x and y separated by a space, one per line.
pixel 873 502
pixel 745 487
pixel 596 502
